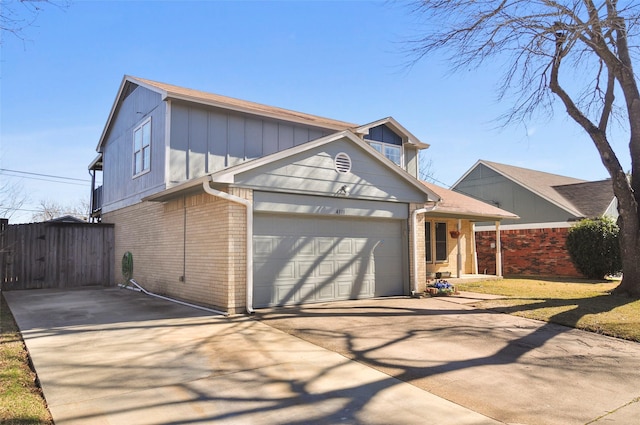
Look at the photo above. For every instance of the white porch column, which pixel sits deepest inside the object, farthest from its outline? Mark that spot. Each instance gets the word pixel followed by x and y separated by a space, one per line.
pixel 498 251
pixel 474 252
pixel 459 254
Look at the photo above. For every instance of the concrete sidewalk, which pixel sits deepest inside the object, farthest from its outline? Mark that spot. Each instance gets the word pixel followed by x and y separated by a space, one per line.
pixel 113 356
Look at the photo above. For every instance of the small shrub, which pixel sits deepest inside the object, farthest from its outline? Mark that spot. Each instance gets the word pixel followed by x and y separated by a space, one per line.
pixel 594 247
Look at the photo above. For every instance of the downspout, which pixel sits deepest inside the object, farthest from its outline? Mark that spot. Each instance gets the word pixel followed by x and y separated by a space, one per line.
pixel 414 236
pixel 93 192
pixel 249 249
pixel 139 288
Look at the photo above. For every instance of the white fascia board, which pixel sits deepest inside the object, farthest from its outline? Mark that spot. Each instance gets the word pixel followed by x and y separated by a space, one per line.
pixel 111 114
pixel 95 161
pixel 116 102
pixel 613 206
pixel 478 162
pixel 523 226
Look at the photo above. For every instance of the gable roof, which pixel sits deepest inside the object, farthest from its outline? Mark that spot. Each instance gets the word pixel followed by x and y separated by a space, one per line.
pixel 459 205
pixel 170 91
pixel 227 176
pixel 592 199
pixel 537 182
pixel 393 124
pixel 576 196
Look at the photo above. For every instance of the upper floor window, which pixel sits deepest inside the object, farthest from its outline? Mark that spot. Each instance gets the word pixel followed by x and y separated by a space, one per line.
pixel 392 152
pixel 142 147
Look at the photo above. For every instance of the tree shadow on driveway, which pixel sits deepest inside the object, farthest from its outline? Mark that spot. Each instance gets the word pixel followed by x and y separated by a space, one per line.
pixel 506 367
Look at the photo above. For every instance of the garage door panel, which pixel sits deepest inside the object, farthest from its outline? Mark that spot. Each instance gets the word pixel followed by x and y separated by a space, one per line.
pixel 305 292
pixel 301 259
pixel 306 269
pixel 324 245
pixel 286 294
pixel 344 289
pixel 326 292
pixel 325 269
pixel 345 246
pixel 306 247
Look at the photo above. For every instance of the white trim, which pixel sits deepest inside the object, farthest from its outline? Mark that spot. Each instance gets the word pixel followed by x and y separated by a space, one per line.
pixel 554 225
pixel 383 152
pixel 464 176
pixel 414 243
pixel 140 127
pixel 364 129
pixel 342 163
pixel 498 250
pixel 167 142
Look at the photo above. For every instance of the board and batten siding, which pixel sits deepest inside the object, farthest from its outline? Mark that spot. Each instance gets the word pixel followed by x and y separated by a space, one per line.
pixel 120 187
pixel 208 140
pixel 313 173
pixel 492 187
pixel 411 161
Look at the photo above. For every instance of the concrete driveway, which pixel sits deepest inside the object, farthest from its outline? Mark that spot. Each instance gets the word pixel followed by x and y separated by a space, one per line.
pixel 113 356
pixel 515 370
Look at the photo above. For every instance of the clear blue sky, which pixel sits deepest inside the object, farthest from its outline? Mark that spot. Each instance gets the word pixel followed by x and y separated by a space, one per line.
pixel 339 59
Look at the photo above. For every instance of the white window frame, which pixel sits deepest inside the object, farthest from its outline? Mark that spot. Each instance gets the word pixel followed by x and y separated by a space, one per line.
pixel 432 244
pixel 145 165
pixel 381 148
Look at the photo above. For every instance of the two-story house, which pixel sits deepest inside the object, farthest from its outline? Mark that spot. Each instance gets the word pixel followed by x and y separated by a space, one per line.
pixel 235 205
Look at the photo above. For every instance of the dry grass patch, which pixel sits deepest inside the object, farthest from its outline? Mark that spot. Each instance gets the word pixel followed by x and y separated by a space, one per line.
pixel 581 304
pixel 21 400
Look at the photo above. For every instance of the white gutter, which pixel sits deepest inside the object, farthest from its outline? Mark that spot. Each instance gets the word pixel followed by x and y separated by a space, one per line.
pixel 139 288
pixel 249 250
pixel 414 236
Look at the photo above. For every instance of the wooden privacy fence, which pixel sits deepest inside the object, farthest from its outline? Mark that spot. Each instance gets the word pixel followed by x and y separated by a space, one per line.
pixel 55 255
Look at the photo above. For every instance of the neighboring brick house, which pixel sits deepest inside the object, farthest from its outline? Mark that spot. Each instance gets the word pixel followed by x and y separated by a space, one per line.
pixel 234 205
pixel 547 204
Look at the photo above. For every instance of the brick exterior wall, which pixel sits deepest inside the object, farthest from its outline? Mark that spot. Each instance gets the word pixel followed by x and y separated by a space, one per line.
pixel 529 252
pixel 191 248
pixel 422 272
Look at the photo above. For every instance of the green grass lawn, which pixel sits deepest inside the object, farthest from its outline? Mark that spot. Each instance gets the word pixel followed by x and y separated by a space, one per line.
pixel 577 303
pixel 21 400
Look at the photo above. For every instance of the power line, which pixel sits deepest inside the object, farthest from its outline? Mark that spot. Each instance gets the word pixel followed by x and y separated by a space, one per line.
pixel 3 170
pixel 58 179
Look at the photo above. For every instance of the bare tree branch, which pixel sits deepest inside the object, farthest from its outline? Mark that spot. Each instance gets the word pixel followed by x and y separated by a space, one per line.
pixel 574 51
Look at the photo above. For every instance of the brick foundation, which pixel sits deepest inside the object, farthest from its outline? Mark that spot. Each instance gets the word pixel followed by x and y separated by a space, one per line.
pixel 533 252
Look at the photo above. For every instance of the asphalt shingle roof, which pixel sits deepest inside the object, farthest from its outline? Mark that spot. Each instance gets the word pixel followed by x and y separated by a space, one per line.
pixel 457 204
pixel 244 105
pixel 591 198
pixel 580 197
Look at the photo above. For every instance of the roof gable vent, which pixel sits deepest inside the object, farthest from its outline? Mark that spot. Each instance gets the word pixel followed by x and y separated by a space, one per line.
pixel 342 163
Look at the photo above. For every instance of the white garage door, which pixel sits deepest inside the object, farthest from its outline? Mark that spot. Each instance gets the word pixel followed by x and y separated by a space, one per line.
pixel 314 259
